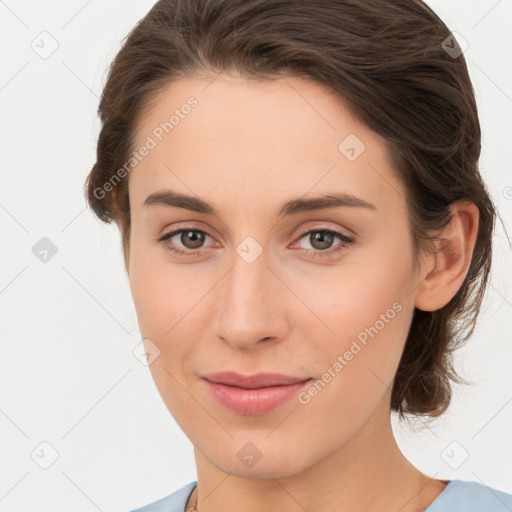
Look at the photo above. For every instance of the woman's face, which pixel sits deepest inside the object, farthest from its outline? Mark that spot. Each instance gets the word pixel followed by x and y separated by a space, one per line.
pixel 260 289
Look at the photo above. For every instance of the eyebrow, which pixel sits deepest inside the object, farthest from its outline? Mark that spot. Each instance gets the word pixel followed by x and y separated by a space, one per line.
pixel 166 197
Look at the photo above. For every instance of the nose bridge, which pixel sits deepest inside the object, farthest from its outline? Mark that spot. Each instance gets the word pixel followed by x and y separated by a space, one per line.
pixel 246 281
pixel 249 309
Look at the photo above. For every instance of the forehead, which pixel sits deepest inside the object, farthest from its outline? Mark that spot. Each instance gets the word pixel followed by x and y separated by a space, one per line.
pixel 276 138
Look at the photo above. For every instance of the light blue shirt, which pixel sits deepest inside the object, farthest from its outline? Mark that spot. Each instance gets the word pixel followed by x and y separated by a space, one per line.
pixel 458 496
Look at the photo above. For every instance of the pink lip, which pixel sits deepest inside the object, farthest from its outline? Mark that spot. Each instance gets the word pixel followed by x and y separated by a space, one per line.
pixel 256 394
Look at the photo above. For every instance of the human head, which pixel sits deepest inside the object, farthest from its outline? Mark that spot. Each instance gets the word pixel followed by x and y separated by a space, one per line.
pixel 388 61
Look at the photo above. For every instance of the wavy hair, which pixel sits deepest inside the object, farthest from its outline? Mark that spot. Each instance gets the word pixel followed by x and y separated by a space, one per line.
pixel 402 74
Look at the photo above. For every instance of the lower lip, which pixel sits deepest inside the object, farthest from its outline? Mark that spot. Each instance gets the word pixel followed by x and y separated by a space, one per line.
pixel 254 401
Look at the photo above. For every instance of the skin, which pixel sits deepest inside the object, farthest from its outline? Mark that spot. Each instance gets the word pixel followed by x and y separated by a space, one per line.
pixel 248 147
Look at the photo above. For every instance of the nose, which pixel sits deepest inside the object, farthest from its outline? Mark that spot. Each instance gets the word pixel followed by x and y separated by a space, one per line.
pixel 252 305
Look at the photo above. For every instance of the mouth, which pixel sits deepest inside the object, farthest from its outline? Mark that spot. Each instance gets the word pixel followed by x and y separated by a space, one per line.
pixel 257 381
pixel 256 394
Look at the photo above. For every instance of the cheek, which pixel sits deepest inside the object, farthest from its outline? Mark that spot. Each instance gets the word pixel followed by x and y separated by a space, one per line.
pixel 154 297
pixel 368 311
pixel 166 316
pixel 359 363
pixel 157 296
pixel 169 301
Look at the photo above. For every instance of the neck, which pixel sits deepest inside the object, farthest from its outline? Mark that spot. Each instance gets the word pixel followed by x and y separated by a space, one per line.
pixel 368 473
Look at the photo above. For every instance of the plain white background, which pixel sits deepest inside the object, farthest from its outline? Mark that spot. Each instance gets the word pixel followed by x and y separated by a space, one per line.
pixel 74 397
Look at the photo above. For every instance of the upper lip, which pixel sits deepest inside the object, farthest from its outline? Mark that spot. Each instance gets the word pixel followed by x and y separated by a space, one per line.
pixel 259 380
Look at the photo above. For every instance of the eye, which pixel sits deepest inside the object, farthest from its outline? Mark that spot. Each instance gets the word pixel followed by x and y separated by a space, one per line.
pixel 321 242
pixel 191 239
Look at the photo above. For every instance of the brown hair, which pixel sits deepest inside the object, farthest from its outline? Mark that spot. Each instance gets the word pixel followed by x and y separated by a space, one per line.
pixel 391 61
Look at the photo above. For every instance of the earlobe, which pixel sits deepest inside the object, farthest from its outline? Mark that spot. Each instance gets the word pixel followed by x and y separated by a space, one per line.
pixel 446 270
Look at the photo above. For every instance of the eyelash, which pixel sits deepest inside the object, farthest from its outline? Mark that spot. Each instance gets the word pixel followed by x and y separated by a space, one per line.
pixel 345 242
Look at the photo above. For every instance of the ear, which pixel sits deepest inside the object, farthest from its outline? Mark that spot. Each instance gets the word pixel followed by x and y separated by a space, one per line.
pixel 444 271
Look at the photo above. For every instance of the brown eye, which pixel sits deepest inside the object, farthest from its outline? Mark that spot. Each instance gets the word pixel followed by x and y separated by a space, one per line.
pixel 192 239
pixel 186 242
pixel 321 240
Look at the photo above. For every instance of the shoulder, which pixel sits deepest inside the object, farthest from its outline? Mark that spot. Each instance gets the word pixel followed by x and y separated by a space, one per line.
pixel 463 496
pixel 175 502
pixel 458 496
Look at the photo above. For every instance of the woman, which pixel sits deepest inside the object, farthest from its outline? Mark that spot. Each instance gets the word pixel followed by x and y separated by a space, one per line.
pixel 303 222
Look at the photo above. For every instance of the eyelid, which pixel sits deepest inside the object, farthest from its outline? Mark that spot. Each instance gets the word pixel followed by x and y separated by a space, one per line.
pixel 164 237
pixel 346 240
pixel 309 229
pixel 190 225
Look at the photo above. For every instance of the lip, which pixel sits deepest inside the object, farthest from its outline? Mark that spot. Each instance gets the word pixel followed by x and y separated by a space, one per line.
pixel 256 381
pixel 253 394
